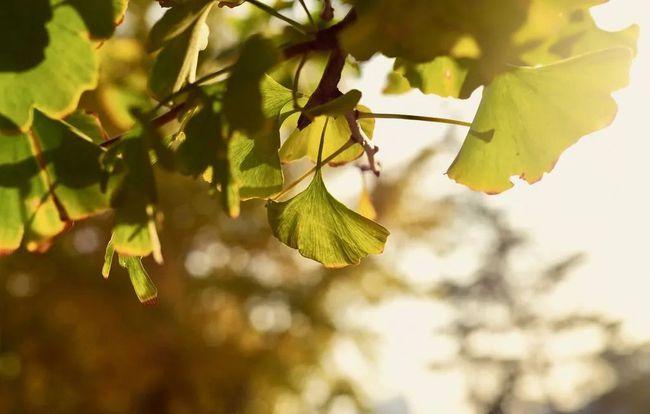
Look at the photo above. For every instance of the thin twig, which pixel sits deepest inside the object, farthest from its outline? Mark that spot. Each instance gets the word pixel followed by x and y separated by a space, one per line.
pixel 296 81
pixel 369 148
pixel 335 154
pixel 270 10
pixel 159 121
pixel 324 40
pixel 311 19
pixel 202 80
pixel 361 114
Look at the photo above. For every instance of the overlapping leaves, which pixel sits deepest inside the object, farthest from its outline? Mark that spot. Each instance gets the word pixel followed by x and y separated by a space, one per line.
pixel 49 57
pixel 547 69
pixel 48 177
pixel 323 229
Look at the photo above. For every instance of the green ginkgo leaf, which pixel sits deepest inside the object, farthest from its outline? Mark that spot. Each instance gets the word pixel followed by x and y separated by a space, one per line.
pixel 305 143
pixel 422 30
pixel 243 100
pixel 530 115
pixel 144 287
pixel 337 107
pixel 132 189
pixel 175 21
pixel 176 64
pixel 444 76
pixel 72 166
pixel 48 177
pixel 256 164
pixel 87 125
pixel 28 211
pixel 205 149
pixel 490 35
pixel 323 229
pixel 274 97
pixel 580 37
pixel 49 43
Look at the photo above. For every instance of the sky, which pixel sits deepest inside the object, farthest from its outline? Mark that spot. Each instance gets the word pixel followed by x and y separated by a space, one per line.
pixel 596 201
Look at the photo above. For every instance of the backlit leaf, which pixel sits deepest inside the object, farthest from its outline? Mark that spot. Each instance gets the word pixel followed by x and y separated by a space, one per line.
pixel 529 116
pixel 242 103
pixel 176 64
pixel 133 195
pixel 48 177
pixel 48 43
pixel 305 143
pixel 256 164
pixel 323 229
pixel 142 284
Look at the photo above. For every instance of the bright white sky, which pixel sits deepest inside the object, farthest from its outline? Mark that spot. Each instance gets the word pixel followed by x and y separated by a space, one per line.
pixel 597 201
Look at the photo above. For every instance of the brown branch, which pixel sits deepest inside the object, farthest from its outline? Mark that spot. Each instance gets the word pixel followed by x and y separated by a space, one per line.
pixel 327 88
pixel 369 148
pixel 328 11
pixel 324 40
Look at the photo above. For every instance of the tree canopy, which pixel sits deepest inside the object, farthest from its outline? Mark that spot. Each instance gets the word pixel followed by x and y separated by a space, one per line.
pixel 76 143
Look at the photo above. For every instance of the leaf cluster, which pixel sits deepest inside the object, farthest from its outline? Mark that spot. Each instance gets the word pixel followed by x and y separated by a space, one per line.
pixel 547 72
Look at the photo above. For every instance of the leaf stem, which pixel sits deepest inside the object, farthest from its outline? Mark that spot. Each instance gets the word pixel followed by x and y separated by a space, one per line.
pixel 304 6
pixel 413 118
pixel 296 81
pixel 302 178
pixel 202 80
pixel 270 10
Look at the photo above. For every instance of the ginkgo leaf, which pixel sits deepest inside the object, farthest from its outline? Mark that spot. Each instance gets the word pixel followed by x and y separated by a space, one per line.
pixel 305 143
pixel 204 148
pixel 580 37
pixel 73 169
pixel 175 21
pixel 323 229
pixel 256 164
pixel 144 287
pixel 422 30
pixel 87 125
pixel 365 206
pixel 132 188
pixel 530 115
pixel 492 34
pixel 99 16
pixel 274 97
pixel 48 177
pixel 176 63
pixel 337 107
pixel 242 102
pixel 28 212
pixel 444 76
pixel 49 43
pixel 396 83
pixel 108 259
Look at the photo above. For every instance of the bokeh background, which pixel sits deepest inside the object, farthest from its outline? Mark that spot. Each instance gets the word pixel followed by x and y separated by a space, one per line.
pixel 535 301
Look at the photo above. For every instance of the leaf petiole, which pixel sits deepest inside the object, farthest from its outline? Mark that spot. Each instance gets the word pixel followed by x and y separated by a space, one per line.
pixel 302 178
pixel 304 6
pixel 270 10
pixel 448 121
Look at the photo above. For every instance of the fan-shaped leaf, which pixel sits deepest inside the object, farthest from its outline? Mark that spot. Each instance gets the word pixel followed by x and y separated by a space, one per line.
pixel 242 103
pixel 323 229
pixel 529 116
